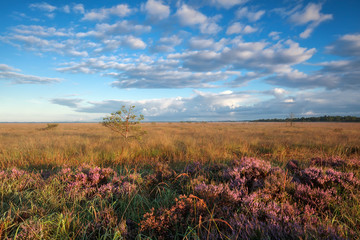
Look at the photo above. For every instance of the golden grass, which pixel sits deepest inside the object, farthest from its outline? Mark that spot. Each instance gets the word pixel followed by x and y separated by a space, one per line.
pixel 24 145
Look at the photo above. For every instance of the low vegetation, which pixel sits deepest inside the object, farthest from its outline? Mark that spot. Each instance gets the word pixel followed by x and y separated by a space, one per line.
pixel 325 118
pixel 181 181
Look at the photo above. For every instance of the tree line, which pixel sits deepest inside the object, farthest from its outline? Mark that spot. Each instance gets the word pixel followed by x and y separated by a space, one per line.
pixel 324 118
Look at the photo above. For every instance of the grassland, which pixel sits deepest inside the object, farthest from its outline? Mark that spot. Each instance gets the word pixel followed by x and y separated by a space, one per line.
pixel 181 181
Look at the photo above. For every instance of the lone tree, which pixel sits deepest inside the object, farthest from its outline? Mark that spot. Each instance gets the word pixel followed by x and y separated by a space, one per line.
pixel 124 122
pixel 291 119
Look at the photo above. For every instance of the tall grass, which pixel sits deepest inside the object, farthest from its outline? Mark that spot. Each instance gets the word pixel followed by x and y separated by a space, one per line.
pixel 23 145
pixel 181 181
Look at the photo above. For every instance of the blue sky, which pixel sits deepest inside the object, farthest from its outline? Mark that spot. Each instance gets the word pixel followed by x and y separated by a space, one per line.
pixel 178 60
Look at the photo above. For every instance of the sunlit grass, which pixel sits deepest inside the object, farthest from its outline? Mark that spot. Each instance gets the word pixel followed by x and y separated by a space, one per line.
pixel 180 181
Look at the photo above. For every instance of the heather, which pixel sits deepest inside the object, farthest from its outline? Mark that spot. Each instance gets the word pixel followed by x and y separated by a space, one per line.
pixel 170 191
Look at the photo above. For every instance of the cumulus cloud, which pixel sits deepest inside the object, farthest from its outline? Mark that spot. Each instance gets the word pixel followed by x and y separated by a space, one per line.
pixel 252 16
pixel 339 74
pixel 275 35
pixel 155 77
pixel 34 43
pixel 37 30
pixel 134 42
pixel 166 44
pixel 148 73
pixel 227 3
pixel 12 75
pixel 198 68
pixel 101 14
pixel 156 10
pixel 43 7
pixel 259 56
pixel 238 28
pixel 7 68
pixel 229 105
pixel 346 46
pixel 68 102
pixel 196 107
pixel 310 15
pixel 79 8
pixel 104 30
pixel 191 17
pixel 207 43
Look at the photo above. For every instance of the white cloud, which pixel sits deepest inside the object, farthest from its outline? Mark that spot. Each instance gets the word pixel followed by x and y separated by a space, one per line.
pixel 42 31
pixel 7 68
pixel 79 8
pixel 339 74
pixel 259 56
pixel 167 44
pixel 190 17
pixel 66 9
pixel 275 35
pixel 134 42
pixel 147 73
pixel 227 3
pixel 120 10
pixel 310 15
pixel 201 43
pixel 104 30
pixel 207 43
pixel 199 106
pixel 347 46
pixel 7 73
pixel 156 9
pixel 279 92
pixel 40 45
pixel 251 16
pixel 210 27
pixel 68 102
pixel 230 105
pixel 43 7
pixel 238 28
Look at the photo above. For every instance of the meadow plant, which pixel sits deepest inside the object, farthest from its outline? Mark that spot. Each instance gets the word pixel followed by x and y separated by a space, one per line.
pixel 151 190
pixel 86 182
pixel 317 177
pixel 187 211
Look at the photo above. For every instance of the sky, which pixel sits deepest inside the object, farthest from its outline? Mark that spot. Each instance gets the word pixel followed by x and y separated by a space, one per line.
pixel 194 60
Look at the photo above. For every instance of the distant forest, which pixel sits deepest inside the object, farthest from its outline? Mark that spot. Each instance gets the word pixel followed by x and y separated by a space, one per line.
pixel 314 119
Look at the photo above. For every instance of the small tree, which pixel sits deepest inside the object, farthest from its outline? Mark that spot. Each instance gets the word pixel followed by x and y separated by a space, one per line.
pixel 124 122
pixel 291 119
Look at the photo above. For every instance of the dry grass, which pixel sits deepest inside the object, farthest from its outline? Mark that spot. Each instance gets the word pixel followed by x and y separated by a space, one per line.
pixel 169 185
pixel 23 145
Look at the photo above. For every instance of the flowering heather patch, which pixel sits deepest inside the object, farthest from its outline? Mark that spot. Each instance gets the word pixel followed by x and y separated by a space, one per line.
pixel 102 182
pixel 244 199
pixel 31 230
pixel 20 180
pixel 162 172
pixel 336 162
pixel 164 223
pixel 316 177
pixel 220 194
pixel 317 198
pixel 103 221
pixel 250 172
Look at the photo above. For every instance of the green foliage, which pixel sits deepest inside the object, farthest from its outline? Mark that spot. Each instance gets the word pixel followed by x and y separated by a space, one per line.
pixel 125 122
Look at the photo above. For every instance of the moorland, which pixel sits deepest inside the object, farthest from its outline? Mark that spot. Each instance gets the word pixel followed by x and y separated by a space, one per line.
pixel 180 181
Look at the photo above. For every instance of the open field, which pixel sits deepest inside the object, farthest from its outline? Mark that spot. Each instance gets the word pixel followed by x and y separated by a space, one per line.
pixel 23 145
pixel 181 181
